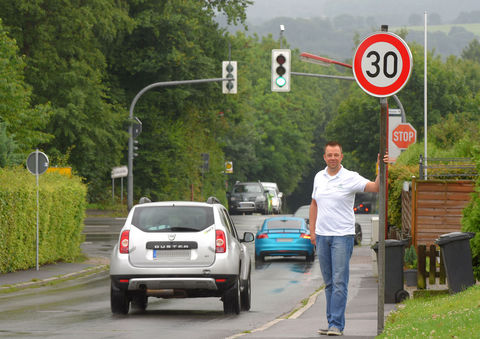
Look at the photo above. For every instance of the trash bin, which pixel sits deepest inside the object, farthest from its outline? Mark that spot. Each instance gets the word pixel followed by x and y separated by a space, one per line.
pixel 394 252
pixel 457 256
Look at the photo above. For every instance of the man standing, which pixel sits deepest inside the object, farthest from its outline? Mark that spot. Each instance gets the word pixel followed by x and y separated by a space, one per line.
pixel 332 226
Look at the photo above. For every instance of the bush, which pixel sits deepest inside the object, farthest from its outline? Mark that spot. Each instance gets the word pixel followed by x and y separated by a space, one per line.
pixel 471 221
pixel 410 257
pixel 397 175
pixel 62 204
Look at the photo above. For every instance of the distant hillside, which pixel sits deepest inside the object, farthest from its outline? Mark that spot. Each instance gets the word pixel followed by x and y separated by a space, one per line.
pixel 337 37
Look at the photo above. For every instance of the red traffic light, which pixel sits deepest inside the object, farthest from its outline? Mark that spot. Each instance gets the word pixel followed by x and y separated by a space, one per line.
pixel 281 59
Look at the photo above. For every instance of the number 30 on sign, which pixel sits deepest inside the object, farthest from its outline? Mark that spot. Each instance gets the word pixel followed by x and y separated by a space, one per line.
pixel 382 64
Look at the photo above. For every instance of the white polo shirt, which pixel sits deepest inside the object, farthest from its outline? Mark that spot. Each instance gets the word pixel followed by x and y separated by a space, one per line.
pixel 335 196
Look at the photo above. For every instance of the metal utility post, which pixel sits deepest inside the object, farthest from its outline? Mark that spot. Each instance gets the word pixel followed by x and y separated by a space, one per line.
pixel 282 29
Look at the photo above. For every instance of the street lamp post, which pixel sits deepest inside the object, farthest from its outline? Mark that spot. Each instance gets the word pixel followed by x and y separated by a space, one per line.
pixel 132 118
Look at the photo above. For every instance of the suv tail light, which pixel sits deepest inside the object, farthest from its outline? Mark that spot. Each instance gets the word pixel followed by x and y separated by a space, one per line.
pixel 124 241
pixel 220 242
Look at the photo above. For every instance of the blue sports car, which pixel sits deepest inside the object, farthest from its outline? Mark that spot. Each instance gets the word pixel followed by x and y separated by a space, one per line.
pixel 284 236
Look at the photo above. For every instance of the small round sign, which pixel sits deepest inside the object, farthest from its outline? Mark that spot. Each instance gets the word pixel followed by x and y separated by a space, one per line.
pixel 382 64
pixel 39 167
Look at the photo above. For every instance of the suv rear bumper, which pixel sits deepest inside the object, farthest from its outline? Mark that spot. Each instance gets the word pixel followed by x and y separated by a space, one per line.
pixel 174 287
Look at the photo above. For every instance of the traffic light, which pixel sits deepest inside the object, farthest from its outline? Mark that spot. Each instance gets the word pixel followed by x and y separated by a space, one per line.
pixel 281 70
pixel 135 148
pixel 205 162
pixel 229 70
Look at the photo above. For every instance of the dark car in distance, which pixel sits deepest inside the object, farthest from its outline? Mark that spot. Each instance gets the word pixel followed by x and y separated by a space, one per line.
pixel 248 197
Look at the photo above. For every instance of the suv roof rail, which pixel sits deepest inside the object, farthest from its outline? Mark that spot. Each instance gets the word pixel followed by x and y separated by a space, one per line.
pixel 213 200
pixel 144 200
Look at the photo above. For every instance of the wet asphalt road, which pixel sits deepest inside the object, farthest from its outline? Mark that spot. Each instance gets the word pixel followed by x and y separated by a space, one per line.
pixel 81 308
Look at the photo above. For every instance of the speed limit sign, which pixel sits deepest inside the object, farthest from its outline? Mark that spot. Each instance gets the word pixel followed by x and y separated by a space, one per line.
pixel 382 64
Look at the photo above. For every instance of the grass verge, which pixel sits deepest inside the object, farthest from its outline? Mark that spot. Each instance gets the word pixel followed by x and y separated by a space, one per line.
pixel 440 316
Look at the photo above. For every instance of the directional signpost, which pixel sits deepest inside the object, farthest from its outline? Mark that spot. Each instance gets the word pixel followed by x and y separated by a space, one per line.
pixel 118 172
pixel 382 65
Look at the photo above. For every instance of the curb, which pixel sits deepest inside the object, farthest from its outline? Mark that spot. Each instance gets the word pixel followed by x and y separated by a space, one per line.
pixel 42 282
pixel 297 312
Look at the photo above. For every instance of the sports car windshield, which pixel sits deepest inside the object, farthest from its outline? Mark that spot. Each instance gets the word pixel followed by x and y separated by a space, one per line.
pixel 172 218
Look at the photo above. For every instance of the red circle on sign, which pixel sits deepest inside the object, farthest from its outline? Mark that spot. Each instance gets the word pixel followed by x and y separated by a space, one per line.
pixel 405 57
pixel 404 135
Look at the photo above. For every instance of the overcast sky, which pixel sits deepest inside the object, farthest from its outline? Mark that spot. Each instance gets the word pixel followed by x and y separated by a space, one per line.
pixel 263 10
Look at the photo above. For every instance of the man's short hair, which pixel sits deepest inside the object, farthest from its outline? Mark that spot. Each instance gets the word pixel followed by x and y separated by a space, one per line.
pixel 333 144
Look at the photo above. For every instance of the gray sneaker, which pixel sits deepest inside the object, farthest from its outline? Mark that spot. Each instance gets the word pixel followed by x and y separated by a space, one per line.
pixel 323 331
pixel 334 331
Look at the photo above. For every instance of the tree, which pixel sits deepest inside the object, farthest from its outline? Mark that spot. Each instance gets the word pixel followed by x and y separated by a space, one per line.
pixel 472 51
pixel 22 124
pixel 62 43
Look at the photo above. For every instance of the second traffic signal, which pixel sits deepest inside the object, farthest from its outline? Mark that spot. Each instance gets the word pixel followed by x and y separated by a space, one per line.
pixel 229 71
pixel 281 60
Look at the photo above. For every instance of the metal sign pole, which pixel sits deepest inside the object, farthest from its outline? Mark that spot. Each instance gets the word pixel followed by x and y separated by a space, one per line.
pixel 382 214
pixel 33 166
pixel 121 192
pixel 38 205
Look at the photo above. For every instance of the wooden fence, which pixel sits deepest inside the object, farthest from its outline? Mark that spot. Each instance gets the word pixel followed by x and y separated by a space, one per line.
pixel 431 208
pixel 436 267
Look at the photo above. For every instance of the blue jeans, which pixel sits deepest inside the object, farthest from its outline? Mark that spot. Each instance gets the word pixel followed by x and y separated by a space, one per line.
pixel 334 253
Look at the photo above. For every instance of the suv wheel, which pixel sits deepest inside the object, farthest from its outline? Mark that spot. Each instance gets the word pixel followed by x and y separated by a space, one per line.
pixel 119 302
pixel 246 294
pixel 140 302
pixel 232 299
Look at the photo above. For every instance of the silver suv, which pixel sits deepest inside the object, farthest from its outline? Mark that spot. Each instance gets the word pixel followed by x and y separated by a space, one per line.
pixel 180 249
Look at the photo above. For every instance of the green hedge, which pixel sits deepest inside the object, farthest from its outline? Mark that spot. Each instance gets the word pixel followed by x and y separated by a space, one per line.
pixel 471 220
pixel 62 203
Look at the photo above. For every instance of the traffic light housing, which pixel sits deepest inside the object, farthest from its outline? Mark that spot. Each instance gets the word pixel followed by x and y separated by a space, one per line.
pixel 229 70
pixel 281 61
pixel 135 148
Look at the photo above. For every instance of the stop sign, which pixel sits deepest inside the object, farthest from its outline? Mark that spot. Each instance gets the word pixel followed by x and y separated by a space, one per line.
pixel 404 135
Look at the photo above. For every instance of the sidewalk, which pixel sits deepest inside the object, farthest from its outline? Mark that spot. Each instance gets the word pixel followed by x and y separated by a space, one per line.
pixel 48 273
pixel 361 314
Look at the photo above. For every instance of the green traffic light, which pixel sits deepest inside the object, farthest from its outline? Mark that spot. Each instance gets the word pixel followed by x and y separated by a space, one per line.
pixel 280 81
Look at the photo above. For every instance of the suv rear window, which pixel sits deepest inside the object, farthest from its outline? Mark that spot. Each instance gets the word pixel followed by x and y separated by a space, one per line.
pixel 247 188
pixel 172 218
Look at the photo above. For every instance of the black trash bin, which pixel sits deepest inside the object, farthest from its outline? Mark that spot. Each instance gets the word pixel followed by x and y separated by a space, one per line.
pixel 394 253
pixel 457 257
